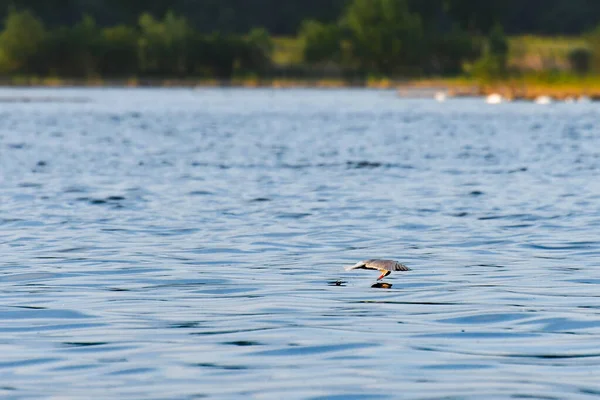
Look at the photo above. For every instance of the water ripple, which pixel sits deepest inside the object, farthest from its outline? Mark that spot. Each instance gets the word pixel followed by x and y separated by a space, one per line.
pixel 167 243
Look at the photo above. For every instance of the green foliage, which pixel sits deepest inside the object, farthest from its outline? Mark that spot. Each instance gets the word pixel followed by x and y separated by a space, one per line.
pixel 593 42
pixel 226 16
pixel 497 41
pixel 119 55
pixel 385 36
pixel 580 60
pixel 221 54
pixel 284 18
pixel 494 62
pixel 322 42
pixel 488 68
pixel 257 51
pixel 75 51
pixel 450 52
pixel 86 44
pixel 163 48
pixel 351 38
pixel 163 44
pixel 20 42
pixel 260 38
pixel 287 51
pixel 477 16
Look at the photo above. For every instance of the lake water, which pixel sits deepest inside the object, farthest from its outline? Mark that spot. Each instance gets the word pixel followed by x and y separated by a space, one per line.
pixel 182 244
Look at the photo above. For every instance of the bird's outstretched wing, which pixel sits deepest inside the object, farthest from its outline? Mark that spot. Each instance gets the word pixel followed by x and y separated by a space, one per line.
pixel 358 265
pixel 386 265
pixel 380 265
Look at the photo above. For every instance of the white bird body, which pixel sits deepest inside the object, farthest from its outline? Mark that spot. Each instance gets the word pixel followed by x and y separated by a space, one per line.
pixel 494 98
pixel 543 100
pixel 384 266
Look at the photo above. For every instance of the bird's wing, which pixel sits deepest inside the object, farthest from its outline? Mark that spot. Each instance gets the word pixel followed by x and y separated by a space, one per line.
pixel 386 265
pixel 380 265
pixel 358 265
pixel 401 267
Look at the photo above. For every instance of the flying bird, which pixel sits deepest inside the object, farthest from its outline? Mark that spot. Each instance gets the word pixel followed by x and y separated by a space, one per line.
pixel 384 266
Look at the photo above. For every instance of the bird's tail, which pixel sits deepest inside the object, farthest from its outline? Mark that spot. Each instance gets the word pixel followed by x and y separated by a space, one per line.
pixel 355 266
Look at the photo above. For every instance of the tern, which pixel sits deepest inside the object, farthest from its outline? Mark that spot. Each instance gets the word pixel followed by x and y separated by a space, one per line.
pixel 384 266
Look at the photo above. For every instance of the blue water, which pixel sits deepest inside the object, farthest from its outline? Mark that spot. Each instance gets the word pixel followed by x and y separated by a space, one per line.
pixel 180 243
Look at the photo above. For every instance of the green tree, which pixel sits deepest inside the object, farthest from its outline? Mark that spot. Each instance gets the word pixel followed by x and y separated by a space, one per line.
pixel 494 62
pixel 57 55
pixel 150 43
pixel 477 16
pixel 321 42
pixel 20 42
pixel 164 45
pixel 73 51
pixel 593 41
pixel 176 38
pixel 497 42
pixel 260 38
pixel 119 55
pixel 86 47
pixel 222 54
pixel 257 51
pixel 448 52
pixel 580 60
pixel 385 36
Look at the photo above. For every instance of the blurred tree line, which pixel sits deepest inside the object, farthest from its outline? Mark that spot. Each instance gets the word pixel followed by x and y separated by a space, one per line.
pixel 220 38
pixel 555 17
pixel 167 47
pixel 409 38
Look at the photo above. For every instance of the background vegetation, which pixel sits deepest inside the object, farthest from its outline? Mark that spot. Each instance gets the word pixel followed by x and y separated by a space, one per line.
pixel 344 39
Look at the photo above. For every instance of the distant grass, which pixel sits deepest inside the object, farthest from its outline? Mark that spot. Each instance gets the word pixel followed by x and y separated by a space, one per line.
pixel 287 51
pixel 543 52
pixel 528 51
pixel 560 44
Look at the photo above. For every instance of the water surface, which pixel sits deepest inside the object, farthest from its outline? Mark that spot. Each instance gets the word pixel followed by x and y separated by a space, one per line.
pixel 178 243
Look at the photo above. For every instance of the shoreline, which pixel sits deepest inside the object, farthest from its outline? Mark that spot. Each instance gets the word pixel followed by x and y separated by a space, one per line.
pixel 419 88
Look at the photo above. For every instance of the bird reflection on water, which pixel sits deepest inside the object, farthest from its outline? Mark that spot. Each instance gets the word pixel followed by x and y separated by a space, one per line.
pixel 381 285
